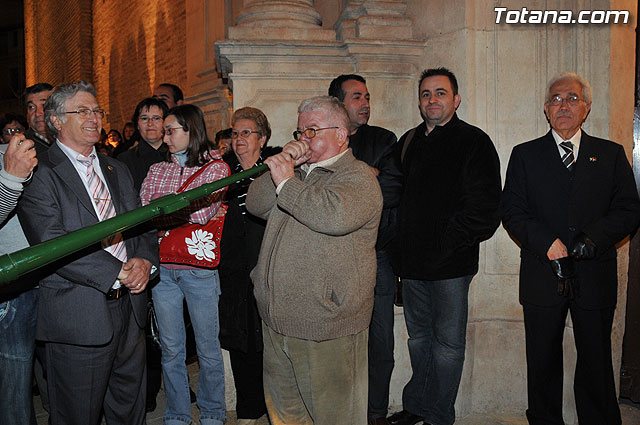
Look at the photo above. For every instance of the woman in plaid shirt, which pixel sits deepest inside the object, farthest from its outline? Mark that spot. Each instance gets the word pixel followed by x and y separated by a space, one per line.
pixel 186 136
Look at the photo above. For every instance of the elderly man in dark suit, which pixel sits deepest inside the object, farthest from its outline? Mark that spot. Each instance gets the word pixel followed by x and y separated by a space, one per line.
pixel 92 307
pixel 568 199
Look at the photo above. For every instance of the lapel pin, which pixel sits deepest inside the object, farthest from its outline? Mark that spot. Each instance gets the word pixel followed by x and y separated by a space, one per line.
pixel 592 159
pixel 110 168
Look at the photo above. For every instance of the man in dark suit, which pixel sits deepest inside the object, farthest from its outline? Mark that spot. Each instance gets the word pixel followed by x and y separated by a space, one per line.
pixel 568 199
pixel 92 308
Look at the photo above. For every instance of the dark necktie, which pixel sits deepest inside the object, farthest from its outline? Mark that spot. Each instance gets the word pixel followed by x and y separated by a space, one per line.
pixel 568 158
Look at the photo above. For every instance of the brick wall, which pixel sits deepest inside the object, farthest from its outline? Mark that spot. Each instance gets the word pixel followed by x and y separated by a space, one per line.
pixel 125 47
pixel 137 45
pixel 58 38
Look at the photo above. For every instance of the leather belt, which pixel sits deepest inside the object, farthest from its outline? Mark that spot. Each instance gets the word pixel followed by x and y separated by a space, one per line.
pixel 114 294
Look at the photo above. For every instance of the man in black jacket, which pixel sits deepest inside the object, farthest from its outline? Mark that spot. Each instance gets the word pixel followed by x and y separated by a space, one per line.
pixel 450 204
pixel 374 145
pixel 568 199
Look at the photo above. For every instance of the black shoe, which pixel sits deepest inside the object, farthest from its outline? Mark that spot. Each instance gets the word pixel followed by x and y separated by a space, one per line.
pixel 404 418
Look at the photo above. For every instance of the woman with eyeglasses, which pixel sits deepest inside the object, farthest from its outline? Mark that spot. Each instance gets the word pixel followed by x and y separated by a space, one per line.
pixel 185 135
pixel 240 326
pixel 148 117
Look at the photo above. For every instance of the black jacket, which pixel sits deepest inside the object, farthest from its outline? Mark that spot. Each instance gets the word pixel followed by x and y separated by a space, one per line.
pixel 375 146
pixel 543 201
pixel 240 325
pixel 141 158
pixel 450 201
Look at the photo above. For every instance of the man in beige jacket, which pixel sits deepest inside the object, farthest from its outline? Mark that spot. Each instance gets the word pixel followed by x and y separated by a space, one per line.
pixel 316 271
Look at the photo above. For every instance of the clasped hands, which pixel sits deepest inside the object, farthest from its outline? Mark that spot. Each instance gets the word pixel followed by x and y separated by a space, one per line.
pixel 563 263
pixel 134 274
pixel 294 153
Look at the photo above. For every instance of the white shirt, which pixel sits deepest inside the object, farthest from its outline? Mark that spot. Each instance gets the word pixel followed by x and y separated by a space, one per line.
pixel 575 140
pixel 82 172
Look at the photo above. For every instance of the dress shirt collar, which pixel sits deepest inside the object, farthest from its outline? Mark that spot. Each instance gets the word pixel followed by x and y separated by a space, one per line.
pixel 575 140
pixel 307 168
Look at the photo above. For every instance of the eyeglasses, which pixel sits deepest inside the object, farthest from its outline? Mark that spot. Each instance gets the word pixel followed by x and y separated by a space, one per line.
pixel 243 133
pixel 309 132
pixel 170 130
pixel 572 100
pixel 12 131
pixel 145 119
pixel 85 112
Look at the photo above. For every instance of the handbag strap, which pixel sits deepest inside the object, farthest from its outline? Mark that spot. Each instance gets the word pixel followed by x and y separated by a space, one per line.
pixel 195 175
pixel 407 142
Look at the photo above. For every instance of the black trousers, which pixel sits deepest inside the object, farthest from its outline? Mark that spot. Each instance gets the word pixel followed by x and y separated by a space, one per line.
pixel 247 374
pixel 84 381
pixel 594 386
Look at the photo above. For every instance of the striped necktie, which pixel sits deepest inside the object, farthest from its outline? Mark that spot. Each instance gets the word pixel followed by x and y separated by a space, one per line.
pixel 568 158
pixel 102 199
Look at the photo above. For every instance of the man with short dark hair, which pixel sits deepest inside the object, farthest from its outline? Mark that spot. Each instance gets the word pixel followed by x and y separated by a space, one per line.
pixel 92 308
pixel 316 271
pixel 170 94
pixel 375 146
pixel 34 98
pixel 449 205
pixel 568 199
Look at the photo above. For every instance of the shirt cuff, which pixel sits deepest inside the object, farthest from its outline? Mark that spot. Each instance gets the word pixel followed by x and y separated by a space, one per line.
pixel 279 188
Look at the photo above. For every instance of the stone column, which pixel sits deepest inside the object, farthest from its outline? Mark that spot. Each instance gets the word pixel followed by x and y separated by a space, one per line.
pixel 205 24
pixel 274 63
pixel 279 19
pixel 375 19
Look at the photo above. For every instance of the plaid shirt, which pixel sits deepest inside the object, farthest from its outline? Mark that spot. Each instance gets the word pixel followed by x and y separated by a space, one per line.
pixel 167 177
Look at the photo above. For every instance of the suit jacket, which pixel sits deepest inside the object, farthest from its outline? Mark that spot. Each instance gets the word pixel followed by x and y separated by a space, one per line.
pixel 73 307
pixel 542 201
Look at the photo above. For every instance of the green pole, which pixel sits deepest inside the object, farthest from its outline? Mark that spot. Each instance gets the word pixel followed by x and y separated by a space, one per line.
pixel 19 263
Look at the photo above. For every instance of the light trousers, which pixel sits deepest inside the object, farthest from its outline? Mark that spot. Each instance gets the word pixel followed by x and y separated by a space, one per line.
pixel 321 383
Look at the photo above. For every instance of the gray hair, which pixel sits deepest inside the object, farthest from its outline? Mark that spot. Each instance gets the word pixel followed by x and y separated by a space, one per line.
pixel 586 87
pixel 55 104
pixel 332 106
